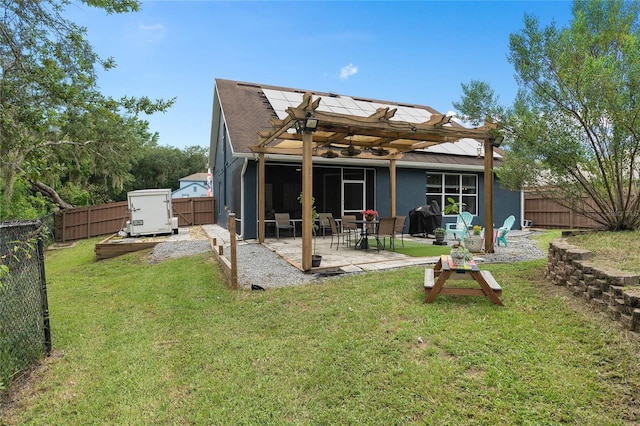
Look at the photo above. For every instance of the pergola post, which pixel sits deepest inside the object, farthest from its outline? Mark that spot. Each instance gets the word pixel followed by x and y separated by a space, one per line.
pixel 488 196
pixel 307 196
pixel 392 186
pixel 261 197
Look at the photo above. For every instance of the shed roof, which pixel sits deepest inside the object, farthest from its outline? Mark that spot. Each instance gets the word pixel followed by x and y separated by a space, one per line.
pixel 200 177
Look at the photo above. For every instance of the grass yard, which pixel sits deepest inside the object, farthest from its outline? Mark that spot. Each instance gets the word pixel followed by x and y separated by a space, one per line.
pixel 619 250
pixel 414 249
pixel 167 343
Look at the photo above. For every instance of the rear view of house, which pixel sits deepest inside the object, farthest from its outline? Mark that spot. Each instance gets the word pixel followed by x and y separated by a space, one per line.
pixel 346 178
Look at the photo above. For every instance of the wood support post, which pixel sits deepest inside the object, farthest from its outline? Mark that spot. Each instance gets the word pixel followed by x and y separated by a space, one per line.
pixel 307 195
pixel 392 186
pixel 488 196
pixel 234 256
pixel 261 197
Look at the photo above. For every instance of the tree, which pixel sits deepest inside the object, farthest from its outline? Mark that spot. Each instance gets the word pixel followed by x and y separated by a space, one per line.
pixel 55 125
pixel 163 167
pixel 573 132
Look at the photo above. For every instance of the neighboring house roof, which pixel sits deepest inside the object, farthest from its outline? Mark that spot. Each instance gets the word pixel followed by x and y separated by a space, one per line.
pixel 188 189
pixel 248 107
pixel 198 177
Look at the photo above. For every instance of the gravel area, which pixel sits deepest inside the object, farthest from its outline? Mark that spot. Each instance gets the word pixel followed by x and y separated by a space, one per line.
pixel 261 266
pixel 521 248
pixel 173 249
pixel 264 267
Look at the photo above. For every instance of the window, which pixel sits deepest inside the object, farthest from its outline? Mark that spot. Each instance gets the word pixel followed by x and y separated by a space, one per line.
pixel 462 188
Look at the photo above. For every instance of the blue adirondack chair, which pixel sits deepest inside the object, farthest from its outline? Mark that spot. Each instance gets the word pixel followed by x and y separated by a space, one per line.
pixel 459 229
pixel 504 230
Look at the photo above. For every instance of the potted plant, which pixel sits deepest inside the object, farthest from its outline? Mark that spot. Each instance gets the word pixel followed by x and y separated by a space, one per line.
pixel 456 208
pixel 439 233
pixel 460 254
pixel 369 214
pixel 474 241
pixel 316 259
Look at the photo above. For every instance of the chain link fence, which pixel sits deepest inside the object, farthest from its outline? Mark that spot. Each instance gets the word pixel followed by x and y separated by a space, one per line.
pixel 24 313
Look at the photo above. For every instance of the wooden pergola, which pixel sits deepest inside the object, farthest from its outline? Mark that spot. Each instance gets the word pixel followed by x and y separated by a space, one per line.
pixel 373 137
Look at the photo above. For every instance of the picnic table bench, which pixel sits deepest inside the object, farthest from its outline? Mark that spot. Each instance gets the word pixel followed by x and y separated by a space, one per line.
pixel 446 268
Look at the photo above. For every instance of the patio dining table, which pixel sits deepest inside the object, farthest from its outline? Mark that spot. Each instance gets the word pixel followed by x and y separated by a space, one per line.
pixel 363 242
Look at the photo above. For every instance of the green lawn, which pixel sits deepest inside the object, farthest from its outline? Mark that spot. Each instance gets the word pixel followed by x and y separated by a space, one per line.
pixel 168 343
pixel 414 249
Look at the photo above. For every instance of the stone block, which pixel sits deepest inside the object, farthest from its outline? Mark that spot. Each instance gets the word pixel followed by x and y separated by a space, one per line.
pixel 602 284
pixel 579 254
pixel 626 321
pixel 631 297
pixel 615 290
pixel 599 304
pixel 613 313
pixel 594 291
pixel 618 304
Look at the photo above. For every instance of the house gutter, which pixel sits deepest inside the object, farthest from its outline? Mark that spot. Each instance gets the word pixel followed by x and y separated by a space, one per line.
pixel 362 162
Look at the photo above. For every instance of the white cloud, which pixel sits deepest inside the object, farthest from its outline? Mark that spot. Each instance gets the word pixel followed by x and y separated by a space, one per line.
pixel 348 71
pixel 151 33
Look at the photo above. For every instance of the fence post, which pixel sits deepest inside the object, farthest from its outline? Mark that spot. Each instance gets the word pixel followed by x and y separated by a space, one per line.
pixel 44 297
pixel 232 242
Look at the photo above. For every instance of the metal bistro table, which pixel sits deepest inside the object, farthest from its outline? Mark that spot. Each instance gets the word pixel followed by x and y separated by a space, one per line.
pixel 363 242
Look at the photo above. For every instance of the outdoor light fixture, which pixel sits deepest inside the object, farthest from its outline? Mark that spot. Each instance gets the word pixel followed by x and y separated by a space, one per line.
pixel 309 124
pixel 497 140
pixel 480 150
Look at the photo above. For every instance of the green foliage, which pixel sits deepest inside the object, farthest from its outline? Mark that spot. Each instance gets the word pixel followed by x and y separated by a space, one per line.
pixel 573 132
pixel 314 213
pixel 453 207
pixel 24 204
pixel 56 125
pixel 163 166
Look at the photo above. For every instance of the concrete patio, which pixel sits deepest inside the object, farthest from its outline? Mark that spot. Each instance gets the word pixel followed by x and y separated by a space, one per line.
pixel 344 258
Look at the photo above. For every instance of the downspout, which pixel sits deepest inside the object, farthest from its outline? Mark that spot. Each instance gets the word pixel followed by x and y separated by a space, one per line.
pixel 242 212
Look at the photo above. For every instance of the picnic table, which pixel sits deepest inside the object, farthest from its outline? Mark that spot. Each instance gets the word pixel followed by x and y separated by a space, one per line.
pixel 446 269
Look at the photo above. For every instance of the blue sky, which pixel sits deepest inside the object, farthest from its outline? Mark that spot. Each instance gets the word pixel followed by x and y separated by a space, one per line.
pixel 416 52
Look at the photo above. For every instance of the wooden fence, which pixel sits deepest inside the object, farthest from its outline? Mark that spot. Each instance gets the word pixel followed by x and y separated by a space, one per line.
pixel 547 213
pixel 103 219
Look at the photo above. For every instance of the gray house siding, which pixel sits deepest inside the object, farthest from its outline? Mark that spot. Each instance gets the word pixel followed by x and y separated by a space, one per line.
pixel 250 220
pixel 410 194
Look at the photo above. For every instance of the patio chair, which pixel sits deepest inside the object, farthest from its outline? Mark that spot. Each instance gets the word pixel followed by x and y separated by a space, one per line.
pixel 283 221
pixel 386 229
pixel 323 222
pixel 504 230
pixel 399 227
pixel 349 224
pixel 460 228
pixel 338 233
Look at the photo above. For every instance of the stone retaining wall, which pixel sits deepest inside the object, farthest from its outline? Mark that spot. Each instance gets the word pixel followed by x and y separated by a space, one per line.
pixel 609 290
